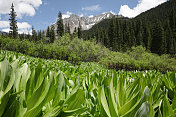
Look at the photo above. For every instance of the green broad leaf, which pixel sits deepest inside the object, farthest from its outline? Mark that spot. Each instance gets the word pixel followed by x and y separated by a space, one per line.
pixel 167 109
pixel 25 75
pixel 77 112
pixel 113 105
pixel 75 101
pixel 12 77
pixel 145 97
pixel 4 103
pixel 174 102
pixel 37 100
pixel 104 102
pixel 30 85
pixel 52 89
pixel 130 104
pixel 121 92
pixel 54 111
pixel 5 72
pixel 146 110
pixel 7 77
pixel 60 80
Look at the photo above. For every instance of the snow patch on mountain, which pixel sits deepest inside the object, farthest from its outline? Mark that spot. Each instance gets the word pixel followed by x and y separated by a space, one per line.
pixel 85 22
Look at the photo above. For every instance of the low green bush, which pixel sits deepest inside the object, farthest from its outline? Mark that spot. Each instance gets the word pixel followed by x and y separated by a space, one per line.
pixel 76 50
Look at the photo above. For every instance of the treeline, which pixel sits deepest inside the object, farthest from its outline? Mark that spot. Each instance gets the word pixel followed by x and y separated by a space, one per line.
pixel 157 35
pixel 45 36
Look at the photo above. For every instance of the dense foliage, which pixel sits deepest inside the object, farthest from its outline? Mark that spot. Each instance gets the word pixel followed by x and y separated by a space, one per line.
pixel 32 87
pixel 154 29
pixel 77 50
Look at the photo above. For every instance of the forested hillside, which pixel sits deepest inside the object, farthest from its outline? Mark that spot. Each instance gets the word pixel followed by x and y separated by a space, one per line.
pixel 154 29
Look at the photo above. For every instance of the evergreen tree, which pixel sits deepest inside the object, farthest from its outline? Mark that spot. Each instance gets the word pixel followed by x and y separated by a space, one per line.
pixel 68 30
pixel 28 36
pixel 22 36
pixel 60 26
pixel 98 37
pixel 169 38
pixel 163 48
pixel 119 36
pixel 13 23
pixel 147 36
pixel 65 28
pixel 75 33
pixel 39 37
pixel 127 36
pixel 113 34
pixel 43 35
pixel 52 35
pixel 48 32
pixel 106 39
pixel 133 38
pixel 158 38
pixel 34 35
pixel 139 33
pixel 79 31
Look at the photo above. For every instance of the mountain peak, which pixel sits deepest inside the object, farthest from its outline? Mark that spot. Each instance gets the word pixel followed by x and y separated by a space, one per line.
pixel 86 22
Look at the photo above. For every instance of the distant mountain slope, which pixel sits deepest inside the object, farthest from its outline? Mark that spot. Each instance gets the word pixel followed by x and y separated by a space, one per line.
pixel 160 12
pixel 85 22
pixel 2 33
pixel 154 29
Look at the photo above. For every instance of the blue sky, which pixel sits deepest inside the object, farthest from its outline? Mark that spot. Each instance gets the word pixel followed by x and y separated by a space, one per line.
pixel 47 13
pixel 42 13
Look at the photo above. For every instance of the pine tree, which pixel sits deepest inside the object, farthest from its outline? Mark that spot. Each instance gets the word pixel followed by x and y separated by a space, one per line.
pixel 158 38
pixel 68 30
pixel 43 35
pixel 75 33
pixel 22 36
pixel 127 36
pixel 39 37
pixel 34 34
pixel 60 26
pixel 169 38
pixel 98 38
pixel 113 34
pixel 163 48
pixel 13 23
pixel 147 37
pixel 48 32
pixel 65 28
pixel 28 36
pixel 52 34
pixel 139 34
pixel 119 36
pixel 79 31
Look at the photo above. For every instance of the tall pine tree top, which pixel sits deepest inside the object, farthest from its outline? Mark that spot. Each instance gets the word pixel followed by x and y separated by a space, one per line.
pixel 13 23
pixel 60 26
pixel 79 31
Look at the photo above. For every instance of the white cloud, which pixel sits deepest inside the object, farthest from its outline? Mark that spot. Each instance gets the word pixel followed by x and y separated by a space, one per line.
pixel 22 7
pixel 92 8
pixel 4 24
pixel 66 15
pixel 23 25
pixel 91 16
pixel 81 15
pixel 143 5
pixel 6 30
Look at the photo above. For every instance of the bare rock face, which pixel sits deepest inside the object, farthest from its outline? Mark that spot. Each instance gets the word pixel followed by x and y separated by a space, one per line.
pixel 85 22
